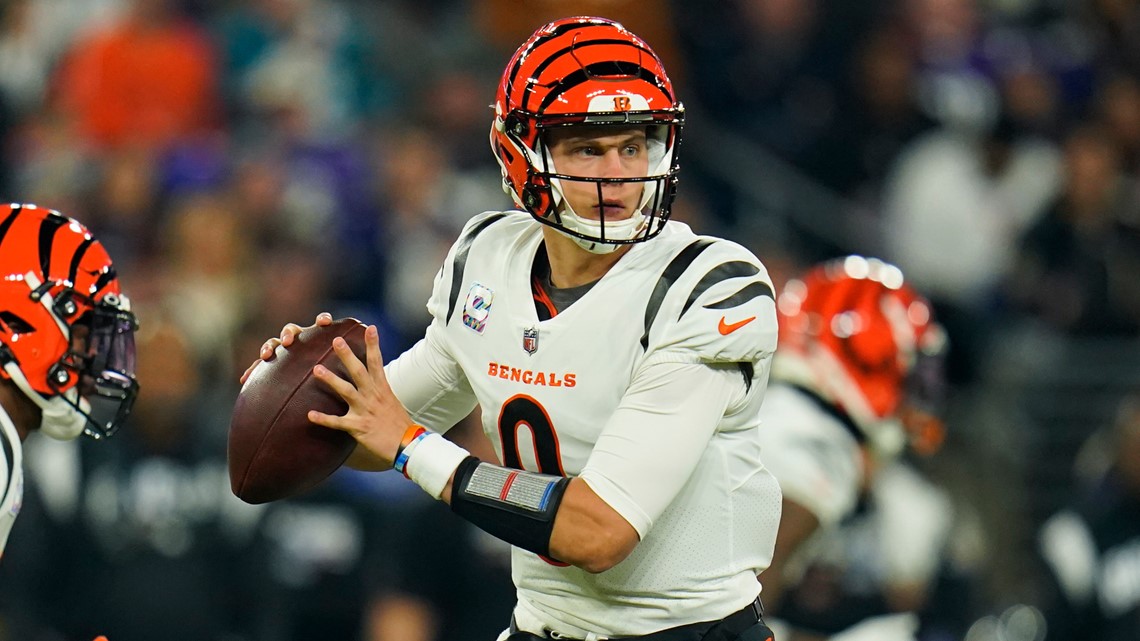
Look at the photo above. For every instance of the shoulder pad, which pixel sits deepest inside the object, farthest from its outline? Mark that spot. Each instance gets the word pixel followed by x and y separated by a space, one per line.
pixel 714 301
pixel 449 279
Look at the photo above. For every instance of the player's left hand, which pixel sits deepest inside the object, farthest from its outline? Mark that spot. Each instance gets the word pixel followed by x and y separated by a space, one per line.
pixel 375 417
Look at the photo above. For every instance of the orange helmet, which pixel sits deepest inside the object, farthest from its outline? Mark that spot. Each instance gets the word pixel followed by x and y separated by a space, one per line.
pixel 852 331
pixel 585 71
pixel 66 329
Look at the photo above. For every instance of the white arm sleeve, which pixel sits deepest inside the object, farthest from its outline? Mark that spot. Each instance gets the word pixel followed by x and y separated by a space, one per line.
pixel 430 383
pixel 656 437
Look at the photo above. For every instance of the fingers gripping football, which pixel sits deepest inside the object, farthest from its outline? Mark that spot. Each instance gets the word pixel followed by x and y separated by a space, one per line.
pixel 375 417
pixel 288 334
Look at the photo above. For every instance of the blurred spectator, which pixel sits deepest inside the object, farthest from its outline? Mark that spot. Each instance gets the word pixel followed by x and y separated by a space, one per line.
pixel 304 64
pixel 148 79
pixel 954 206
pixel 1075 264
pixel 208 285
pixel 769 69
pixel 124 202
pixel 881 115
pixel 1091 549
pixel 33 34
pixel 1119 108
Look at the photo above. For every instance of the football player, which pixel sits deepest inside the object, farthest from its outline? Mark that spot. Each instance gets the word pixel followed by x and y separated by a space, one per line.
pixel 857 377
pixel 618 358
pixel 67 351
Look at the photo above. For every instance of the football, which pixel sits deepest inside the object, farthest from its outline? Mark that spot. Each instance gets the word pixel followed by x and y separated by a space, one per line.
pixel 274 452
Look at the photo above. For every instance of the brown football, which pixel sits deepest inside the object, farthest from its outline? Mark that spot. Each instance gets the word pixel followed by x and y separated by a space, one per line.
pixel 274 451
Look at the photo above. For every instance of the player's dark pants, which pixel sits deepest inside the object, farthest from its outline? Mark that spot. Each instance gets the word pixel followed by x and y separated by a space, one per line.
pixel 745 625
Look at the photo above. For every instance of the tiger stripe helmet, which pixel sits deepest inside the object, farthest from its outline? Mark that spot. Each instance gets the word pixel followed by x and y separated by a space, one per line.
pixel 585 71
pixel 854 332
pixel 66 329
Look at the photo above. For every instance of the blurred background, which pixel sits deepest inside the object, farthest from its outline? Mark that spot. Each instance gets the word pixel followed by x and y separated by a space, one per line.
pixel 253 163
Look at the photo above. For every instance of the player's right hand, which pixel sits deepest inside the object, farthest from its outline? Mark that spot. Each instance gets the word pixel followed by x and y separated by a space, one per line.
pixel 288 335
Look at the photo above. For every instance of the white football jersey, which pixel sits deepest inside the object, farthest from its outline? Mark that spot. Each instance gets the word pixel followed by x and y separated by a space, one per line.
pixel 814 456
pixel 11 477
pixel 648 388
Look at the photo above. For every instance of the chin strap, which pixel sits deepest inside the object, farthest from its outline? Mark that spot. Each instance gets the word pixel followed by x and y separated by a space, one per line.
pixel 59 418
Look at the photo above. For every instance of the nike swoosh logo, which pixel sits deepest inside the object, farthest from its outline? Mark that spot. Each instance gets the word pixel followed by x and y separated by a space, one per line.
pixel 726 329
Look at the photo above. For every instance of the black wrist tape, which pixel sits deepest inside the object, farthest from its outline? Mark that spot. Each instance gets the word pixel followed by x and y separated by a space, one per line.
pixel 514 505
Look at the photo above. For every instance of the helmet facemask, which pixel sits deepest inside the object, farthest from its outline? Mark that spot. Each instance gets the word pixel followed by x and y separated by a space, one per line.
pixel 598 235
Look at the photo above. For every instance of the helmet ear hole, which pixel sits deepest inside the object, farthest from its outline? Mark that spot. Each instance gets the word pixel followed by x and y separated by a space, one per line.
pixel 531 199
pixel 516 126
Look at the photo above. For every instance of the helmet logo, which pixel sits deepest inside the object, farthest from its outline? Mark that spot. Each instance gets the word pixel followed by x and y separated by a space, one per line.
pixel 621 103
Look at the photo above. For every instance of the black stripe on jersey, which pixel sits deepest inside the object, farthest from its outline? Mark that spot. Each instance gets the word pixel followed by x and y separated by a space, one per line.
pixel 834 411
pixel 10 457
pixel 723 271
pixel 672 272
pixel 750 291
pixel 48 228
pixel 601 69
pixel 460 262
pixel 80 251
pixel 7 224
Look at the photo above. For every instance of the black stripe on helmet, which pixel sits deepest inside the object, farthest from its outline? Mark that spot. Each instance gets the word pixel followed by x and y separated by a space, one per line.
pixel 575 45
pixel 48 228
pixel 596 69
pixel 563 29
pixel 672 272
pixel 80 251
pixel 460 263
pixel 104 279
pixel 7 224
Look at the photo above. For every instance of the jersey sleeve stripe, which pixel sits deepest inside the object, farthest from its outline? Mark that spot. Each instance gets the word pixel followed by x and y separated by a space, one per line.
pixel 10 459
pixel 723 271
pixel 460 263
pixel 747 293
pixel 672 272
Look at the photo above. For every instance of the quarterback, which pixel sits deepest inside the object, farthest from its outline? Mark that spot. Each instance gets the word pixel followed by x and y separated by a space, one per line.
pixel 619 361
pixel 67 346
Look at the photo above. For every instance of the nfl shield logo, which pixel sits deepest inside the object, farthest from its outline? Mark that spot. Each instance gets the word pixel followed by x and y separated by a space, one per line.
pixel 530 340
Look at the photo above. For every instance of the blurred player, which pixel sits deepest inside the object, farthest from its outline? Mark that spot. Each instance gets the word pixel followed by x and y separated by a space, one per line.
pixel 66 340
pixel 857 375
pixel 619 360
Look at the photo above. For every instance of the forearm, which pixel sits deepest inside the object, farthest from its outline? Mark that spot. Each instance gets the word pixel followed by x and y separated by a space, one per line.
pixel 548 515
